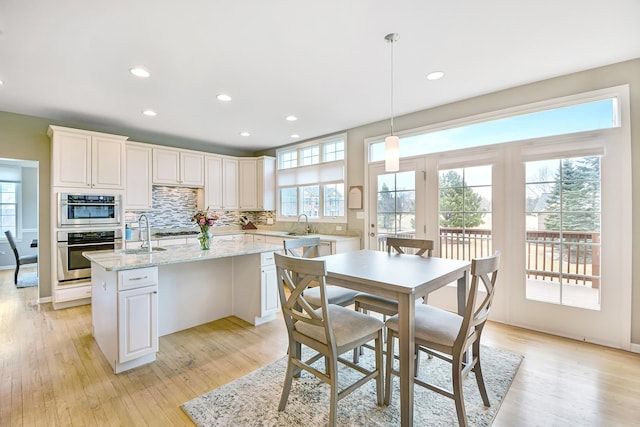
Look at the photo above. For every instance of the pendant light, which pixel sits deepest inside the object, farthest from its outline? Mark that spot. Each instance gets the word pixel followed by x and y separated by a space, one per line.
pixel 392 142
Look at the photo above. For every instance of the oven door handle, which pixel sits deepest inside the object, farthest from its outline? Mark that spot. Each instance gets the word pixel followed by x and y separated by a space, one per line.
pixel 66 244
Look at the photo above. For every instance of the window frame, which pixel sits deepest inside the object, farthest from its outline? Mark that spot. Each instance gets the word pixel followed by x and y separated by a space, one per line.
pixel 320 166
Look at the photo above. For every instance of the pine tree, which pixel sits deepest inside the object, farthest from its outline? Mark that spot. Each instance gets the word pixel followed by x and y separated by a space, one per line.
pixel 459 204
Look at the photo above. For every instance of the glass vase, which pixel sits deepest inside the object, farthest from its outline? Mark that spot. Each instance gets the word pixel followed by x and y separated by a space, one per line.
pixel 205 241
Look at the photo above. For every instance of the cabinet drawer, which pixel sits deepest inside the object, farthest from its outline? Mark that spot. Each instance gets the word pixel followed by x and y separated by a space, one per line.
pixel 71 294
pixel 131 279
pixel 259 238
pixel 267 258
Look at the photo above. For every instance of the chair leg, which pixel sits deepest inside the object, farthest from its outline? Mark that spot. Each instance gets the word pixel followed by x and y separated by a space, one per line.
pixel 15 276
pixel 477 369
pixel 458 395
pixel 333 403
pixel 287 385
pixel 389 367
pixel 379 368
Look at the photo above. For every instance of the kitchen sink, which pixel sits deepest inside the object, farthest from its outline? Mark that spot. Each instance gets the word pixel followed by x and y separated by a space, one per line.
pixel 141 250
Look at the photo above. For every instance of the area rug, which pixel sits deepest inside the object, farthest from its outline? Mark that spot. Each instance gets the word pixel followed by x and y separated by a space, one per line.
pixel 26 280
pixel 253 399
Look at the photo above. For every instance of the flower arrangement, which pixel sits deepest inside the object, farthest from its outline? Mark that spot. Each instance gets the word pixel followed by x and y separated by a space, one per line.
pixel 204 220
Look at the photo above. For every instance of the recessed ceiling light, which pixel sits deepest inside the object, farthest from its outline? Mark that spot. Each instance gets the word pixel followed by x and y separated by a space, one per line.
pixel 245 134
pixel 139 72
pixel 435 75
pixel 223 97
pixel 295 135
pixel 291 118
pixel 150 113
pixel 1 82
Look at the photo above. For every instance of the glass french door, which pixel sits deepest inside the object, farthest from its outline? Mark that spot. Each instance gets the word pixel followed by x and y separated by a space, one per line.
pixel 396 203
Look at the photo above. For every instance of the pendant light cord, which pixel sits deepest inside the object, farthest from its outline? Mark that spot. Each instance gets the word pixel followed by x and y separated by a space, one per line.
pixel 392 38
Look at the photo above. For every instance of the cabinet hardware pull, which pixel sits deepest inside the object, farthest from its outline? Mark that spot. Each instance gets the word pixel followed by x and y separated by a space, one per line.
pixel 139 278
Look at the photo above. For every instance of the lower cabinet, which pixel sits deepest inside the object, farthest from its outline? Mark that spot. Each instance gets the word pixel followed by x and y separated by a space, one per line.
pixel 250 303
pixel 125 315
pixel 137 323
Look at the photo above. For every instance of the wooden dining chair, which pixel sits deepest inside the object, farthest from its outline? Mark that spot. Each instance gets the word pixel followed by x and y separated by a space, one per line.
pixel 20 260
pixel 308 247
pixel 365 302
pixel 330 330
pixel 449 336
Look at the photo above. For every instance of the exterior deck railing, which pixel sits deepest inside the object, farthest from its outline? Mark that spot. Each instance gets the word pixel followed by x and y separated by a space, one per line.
pixel 576 259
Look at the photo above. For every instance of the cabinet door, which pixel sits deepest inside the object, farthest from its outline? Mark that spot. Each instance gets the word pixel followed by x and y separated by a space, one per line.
pixel 138 177
pixel 266 183
pixel 107 163
pixel 191 169
pixel 213 182
pixel 71 159
pixel 166 166
pixel 270 300
pixel 230 184
pixel 137 323
pixel 248 177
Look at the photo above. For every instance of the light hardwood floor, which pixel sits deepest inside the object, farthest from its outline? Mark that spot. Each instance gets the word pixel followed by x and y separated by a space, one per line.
pixel 53 374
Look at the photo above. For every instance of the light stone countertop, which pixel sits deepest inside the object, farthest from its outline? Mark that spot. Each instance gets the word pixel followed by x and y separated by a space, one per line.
pixel 119 260
pixel 325 237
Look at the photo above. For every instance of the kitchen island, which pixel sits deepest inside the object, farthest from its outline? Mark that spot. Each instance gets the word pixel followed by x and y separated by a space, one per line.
pixel 138 296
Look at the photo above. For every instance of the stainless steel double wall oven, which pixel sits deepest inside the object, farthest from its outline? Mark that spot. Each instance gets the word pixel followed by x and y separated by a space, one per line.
pixel 86 222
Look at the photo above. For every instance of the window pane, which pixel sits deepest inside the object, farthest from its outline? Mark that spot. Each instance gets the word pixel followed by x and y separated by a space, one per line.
pixel 465 212
pixel 556 121
pixel 396 206
pixel 311 201
pixel 288 159
pixel 289 202
pixel 333 151
pixel 563 231
pixel 310 155
pixel 334 200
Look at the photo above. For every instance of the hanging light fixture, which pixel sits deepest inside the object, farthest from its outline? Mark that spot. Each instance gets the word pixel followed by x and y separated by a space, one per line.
pixel 392 142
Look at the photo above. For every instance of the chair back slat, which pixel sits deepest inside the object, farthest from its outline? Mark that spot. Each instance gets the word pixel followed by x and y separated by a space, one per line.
pixel 399 244
pixel 306 247
pixel 297 274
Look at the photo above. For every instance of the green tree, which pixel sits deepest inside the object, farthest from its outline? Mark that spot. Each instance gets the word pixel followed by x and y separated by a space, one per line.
pixel 574 202
pixel 386 208
pixel 459 204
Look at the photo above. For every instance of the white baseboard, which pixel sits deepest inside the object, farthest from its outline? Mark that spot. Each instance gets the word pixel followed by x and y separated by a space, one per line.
pixel 635 348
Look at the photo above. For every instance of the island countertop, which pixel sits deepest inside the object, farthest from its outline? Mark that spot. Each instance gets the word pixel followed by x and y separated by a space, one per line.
pixel 121 260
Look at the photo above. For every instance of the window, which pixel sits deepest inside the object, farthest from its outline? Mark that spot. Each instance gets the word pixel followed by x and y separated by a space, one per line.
pixel 311 179
pixel 9 207
pixel 563 231
pixel 465 212
pixel 579 117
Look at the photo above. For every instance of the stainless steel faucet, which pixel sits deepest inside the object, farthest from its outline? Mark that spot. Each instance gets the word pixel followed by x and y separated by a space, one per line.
pixel 145 244
pixel 307 229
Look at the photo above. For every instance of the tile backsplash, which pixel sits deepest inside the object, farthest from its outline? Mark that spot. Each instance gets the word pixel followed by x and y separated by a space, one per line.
pixel 173 207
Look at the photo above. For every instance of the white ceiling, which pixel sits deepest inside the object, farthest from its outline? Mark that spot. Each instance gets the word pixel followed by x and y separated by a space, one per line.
pixel 325 61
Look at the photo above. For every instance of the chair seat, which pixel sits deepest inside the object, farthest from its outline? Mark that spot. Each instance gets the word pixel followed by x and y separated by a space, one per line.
pixel 335 295
pixel 28 259
pixel 378 304
pixel 432 325
pixel 348 325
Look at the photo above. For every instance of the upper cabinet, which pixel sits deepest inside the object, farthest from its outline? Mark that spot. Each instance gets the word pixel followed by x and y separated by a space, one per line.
pixel 86 159
pixel 257 183
pixel 178 167
pixel 138 176
pixel 221 182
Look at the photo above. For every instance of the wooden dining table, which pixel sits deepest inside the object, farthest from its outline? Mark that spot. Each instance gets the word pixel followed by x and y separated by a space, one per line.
pixel 403 278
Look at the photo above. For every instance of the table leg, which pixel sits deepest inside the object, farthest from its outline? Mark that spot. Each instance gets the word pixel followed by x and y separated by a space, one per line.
pixel 406 347
pixel 463 290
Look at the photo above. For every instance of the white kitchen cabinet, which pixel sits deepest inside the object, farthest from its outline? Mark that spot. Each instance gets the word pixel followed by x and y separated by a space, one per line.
pixel 125 315
pixel 84 159
pixel 137 323
pixel 178 167
pixel 221 183
pixel 254 304
pixel 256 189
pixel 138 167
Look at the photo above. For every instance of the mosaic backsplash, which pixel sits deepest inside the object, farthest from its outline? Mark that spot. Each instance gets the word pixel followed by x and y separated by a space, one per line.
pixel 173 207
